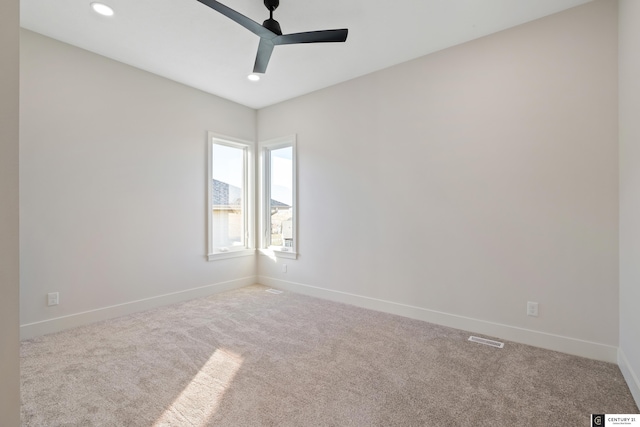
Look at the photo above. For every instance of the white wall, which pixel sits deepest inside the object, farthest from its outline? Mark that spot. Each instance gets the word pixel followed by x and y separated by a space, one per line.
pixel 629 16
pixel 9 215
pixel 461 185
pixel 113 186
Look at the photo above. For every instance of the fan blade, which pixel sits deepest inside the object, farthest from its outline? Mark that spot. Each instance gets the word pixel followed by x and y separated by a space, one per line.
pixel 249 24
pixel 326 36
pixel 265 48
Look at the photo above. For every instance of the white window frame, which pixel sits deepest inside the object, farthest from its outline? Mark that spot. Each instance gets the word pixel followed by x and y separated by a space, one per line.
pixel 248 197
pixel 265 210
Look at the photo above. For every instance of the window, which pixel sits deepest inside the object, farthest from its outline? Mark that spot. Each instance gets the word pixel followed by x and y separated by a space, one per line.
pixel 230 196
pixel 278 196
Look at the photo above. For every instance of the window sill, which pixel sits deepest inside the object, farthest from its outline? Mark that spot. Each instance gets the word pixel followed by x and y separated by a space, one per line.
pixel 274 253
pixel 231 254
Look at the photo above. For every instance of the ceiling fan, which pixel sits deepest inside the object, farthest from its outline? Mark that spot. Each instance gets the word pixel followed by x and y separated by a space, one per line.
pixel 271 34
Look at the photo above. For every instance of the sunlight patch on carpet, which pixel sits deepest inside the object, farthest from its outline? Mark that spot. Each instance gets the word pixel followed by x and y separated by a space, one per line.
pixel 198 402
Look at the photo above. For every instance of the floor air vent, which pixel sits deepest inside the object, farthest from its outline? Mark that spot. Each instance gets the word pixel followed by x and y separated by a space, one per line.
pixel 274 291
pixel 486 342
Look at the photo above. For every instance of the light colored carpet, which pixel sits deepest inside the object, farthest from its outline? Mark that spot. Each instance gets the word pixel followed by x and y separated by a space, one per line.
pixel 251 358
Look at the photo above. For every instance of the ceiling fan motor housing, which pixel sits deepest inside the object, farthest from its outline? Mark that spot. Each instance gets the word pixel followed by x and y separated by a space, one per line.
pixel 273 26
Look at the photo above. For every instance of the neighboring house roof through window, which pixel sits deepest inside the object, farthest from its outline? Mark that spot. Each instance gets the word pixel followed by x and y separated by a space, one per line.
pixel 225 194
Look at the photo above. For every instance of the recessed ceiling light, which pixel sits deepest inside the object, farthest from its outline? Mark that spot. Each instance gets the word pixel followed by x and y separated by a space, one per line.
pixel 102 9
pixel 253 77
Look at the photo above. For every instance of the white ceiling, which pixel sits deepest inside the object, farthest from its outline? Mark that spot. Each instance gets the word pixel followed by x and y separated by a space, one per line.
pixel 188 42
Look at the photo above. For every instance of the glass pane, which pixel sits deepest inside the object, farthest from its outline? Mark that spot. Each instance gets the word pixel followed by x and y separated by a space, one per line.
pixel 228 198
pixel 281 191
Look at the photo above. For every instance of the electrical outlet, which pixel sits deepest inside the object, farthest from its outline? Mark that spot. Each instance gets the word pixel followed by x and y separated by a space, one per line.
pixel 532 309
pixel 53 298
pixel 284 268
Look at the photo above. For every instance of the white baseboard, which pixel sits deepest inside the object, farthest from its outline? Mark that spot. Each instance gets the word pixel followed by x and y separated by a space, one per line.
pixel 630 376
pixel 31 330
pixel 545 340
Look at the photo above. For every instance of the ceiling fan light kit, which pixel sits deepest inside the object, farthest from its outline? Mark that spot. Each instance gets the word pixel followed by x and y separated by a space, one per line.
pixel 270 32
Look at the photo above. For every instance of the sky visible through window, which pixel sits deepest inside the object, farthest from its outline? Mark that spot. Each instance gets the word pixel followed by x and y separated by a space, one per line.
pixel 227 162
pixel 228 165
pixel 282 175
